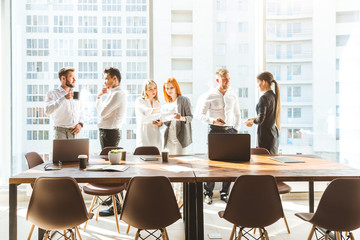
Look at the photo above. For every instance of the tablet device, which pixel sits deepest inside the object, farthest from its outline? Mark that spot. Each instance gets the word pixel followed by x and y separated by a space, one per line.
pixel 149 158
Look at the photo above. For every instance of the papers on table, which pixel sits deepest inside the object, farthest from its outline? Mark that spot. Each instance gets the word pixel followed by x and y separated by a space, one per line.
pixel 117 168
pixel 177 169
pixel 188 158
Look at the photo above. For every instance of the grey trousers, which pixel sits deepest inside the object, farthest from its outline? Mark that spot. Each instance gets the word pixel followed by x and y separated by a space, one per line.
pixel 64 133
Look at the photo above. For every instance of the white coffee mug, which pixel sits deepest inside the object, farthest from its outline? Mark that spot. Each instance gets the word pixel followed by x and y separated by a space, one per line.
pixel 114 157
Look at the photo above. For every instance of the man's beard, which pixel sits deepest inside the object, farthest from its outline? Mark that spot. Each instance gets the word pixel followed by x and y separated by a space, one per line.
pixel 68 84
pixel 224 87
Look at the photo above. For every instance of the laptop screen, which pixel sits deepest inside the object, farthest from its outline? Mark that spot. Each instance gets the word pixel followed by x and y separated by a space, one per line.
pixel 229 147
pixel 68 150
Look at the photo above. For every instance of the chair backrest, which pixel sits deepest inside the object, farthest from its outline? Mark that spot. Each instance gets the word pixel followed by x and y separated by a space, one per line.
pixel 259 151
pixel 147 150
pixel 106 150
pixel 150 203
pixel 254 202
pixel 339 206
pixel 33 159
pixel 56 204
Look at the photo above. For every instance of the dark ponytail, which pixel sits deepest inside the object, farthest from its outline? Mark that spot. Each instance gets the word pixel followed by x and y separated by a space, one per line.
pixel 269 78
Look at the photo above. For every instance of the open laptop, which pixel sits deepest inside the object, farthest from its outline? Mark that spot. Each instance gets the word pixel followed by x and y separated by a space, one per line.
pixel 229 147
pixel 68 150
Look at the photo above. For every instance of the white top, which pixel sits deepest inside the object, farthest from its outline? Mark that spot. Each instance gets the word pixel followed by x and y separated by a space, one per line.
pixel 173 107
pixel 147 133
pixel 216 105
pixel 112 111
pixel 64 112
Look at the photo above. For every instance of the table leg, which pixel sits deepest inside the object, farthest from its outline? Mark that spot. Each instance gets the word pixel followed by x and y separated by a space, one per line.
pixel 199 211
pixel 190 208
pixel 12 211
pixel 184 201
pixel 311 196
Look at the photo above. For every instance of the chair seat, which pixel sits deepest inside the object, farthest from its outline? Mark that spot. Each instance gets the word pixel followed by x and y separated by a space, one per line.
pixel 221 214
pixel 283 187
pixel 102 189
pixel 305 216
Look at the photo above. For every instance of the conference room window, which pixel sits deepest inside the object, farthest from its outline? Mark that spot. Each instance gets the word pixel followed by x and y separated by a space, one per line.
pixel 221 27
pixel 136 25
pixel 36 93
pixel 60 65
pixel 91 134
pixel 293 70
pixel 37 70
pixel 243 27
pixel 87 5
pixel 111 25
pixel 136 70
pixel 130 134
pixel 111 48
pixel 244 113
pixel 37 135
pixel 37 24
pixel 64 47
pixel 111 5
pixel 87 24
pixel 275 70
pixel 117 65
pixel 37 47
pixel 294 112
pixel 136 47
pixel 243 92
pixel 87 47
pixel 293 28
pixel 136 5
pixel 63 24
pixel 36 116
pixel 293 134
pixel 88 70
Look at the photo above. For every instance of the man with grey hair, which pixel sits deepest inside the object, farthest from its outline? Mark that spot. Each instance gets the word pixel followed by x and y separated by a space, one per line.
pixel 65 111
pixel 220 108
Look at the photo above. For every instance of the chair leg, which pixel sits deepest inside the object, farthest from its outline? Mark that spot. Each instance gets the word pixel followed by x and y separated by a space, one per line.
pixel 115 213
pixel 137 234
pixel 128 229
pixel 98 210
pixel 326 236
pixel 78 232
pixel 254 230
pixel 65 235
pixel 311 232
pixel 166 234
pixel 266 234
pixel 121 199
pixel 31 231
pixel 72 235
pixel 46 235
pixel 262 234
pixel 163 236
pixel 240 234
pixel 338 236
pixel 351 236
pixel 233 232
pixel 286 224
pixel 91 208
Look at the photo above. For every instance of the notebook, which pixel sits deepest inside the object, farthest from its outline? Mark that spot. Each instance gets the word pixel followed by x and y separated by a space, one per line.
pixel 117 168
pixel 286 159
pixel 68 150
pixel 149 158
pixel 229 147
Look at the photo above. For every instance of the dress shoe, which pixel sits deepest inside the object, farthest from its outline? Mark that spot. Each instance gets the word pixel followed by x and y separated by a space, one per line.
pixel 224 198
pixel 208 199
pixel 110 211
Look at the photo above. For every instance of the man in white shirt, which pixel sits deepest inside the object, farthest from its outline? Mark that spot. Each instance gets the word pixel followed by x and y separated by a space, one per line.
pixel 220 108
pixel 112 111
pixel 65 111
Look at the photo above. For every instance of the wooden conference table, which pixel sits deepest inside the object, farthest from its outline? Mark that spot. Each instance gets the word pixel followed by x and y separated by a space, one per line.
pixel 198 170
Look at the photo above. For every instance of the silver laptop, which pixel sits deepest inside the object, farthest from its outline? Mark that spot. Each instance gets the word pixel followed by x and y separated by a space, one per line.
pixel 229 147
pixel 68 150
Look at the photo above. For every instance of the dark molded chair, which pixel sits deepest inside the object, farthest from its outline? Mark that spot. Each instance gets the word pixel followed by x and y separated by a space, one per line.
pixel 147 150
pixel 254 202
pixel 33 159
pixel 106 150
pixel 57 204
pixel 338 210
pixel 150 204
pixel 282 187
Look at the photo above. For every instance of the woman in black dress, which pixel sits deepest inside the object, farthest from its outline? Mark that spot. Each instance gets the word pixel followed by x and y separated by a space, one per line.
pixel 268 110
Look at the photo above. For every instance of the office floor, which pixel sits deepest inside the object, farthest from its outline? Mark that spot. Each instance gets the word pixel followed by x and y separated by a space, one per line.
pixel 105 227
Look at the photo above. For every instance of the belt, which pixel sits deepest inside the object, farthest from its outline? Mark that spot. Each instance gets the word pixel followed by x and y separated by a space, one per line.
pixel 220 128
pixel 63 128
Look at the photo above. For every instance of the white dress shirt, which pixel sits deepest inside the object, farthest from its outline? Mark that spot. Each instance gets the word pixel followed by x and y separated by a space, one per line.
pixel 216 105
pixel 64 112
pixel 112 111
pixel 147 133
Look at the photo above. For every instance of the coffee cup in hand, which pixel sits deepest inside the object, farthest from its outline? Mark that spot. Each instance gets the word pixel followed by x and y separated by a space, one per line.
pixel 76 95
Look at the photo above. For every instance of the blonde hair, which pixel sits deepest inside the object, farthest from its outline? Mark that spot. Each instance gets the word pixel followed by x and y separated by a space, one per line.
pixel 146 84
pixel 221 72
pixel 269 78
pixel 176 86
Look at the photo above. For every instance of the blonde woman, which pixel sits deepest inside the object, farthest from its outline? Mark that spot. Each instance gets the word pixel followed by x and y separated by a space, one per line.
pixel 147 110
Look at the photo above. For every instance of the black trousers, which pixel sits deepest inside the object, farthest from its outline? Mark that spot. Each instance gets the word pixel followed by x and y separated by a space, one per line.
pixel 209 186
pixel 109 137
